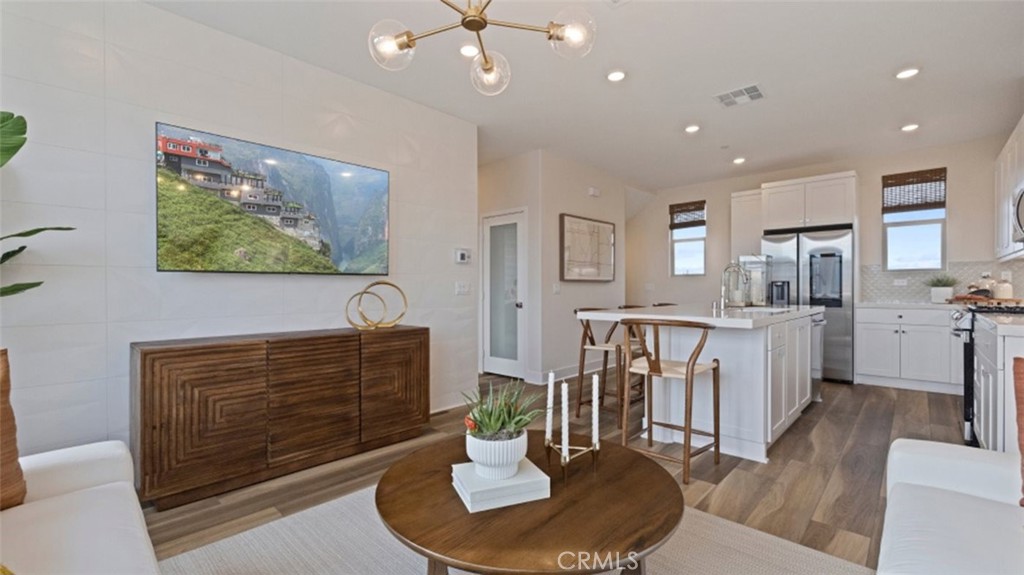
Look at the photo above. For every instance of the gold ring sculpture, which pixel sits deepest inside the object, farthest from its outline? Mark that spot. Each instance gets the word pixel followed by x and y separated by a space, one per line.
pixel 366 322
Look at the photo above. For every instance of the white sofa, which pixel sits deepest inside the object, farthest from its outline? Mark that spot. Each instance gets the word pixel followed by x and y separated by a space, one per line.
pixel 952 509
pixel 81 516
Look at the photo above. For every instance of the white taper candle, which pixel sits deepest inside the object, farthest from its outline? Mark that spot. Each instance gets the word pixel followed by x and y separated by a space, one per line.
pixel 565 420
pixel 549 421
pixel 595 403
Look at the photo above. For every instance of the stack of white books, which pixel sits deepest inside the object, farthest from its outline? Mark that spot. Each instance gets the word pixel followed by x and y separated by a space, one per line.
pixel 479 494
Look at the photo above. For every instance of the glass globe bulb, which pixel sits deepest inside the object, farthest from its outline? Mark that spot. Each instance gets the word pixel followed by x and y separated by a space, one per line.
pixel 573 34
pixel 385 43
pixel 493 81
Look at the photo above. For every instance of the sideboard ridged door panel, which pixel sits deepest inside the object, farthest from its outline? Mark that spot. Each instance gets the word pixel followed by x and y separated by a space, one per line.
pixel 314 396
pixel 395 384
pixel 208 413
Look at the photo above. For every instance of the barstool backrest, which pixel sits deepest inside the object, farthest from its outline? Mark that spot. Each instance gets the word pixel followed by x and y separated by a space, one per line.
pixel 588 332
pixel 638 326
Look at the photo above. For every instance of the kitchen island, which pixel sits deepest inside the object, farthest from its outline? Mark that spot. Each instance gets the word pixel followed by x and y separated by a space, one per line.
pixel 765 356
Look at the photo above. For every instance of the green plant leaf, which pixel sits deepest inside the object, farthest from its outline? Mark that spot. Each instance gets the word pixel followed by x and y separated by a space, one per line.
pixel 11 253
pixel 18 288
pixel 32 232
pixel 12 135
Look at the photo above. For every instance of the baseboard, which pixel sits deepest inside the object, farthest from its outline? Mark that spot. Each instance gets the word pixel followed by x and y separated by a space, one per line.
pixel 911 384
pixel 568 372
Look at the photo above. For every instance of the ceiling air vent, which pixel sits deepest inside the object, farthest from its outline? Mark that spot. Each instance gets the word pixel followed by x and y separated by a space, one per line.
pixel 740 96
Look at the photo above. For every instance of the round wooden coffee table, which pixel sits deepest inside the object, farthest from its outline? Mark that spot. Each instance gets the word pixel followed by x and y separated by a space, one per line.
pixel 599 520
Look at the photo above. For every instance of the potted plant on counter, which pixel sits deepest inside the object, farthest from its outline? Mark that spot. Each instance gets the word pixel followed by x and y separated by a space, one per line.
pixel 496 429
pixel 942 287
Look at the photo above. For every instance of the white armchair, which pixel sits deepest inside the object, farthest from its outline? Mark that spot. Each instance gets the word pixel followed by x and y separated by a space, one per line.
pixel 80 515
pixel 952 509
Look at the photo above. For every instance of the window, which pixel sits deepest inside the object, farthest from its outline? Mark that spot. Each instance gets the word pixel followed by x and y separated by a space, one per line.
pixel 914 220
pixel 271 209
pixel 688 225
pixel 172 146
pixel 250 207
pixel 202 163
pixel 204 153
pixel 186 148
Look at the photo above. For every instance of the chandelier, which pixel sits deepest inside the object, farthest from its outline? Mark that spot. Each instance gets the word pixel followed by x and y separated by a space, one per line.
pixel 570 35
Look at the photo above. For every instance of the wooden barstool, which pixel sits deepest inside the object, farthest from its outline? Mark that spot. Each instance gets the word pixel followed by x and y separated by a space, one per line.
pixel 588 342
pixel 651 365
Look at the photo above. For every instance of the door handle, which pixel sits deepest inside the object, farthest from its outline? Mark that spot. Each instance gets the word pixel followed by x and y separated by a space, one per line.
pixel 519 305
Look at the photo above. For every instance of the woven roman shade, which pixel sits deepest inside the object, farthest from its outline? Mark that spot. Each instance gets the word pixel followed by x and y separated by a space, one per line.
pixel 912 191
pixel 687 215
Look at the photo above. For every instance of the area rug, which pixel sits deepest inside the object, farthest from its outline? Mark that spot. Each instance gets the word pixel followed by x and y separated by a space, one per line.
pixel 346 537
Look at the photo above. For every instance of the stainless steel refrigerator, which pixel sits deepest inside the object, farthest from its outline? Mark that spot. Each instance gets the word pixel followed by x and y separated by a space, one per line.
pixel 818 264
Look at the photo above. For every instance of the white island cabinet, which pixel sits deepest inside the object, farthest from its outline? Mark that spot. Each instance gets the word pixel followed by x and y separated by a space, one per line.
pixel 765 356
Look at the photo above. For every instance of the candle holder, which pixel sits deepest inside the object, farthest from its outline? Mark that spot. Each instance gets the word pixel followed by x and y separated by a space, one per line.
pixel 565 458
pixel 567 452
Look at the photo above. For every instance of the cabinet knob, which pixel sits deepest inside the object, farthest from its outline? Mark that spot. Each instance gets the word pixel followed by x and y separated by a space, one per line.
pixel 896 331
pixel 900 316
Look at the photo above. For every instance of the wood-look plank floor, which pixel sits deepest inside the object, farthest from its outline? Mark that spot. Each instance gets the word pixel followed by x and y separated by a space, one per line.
pixel 823 486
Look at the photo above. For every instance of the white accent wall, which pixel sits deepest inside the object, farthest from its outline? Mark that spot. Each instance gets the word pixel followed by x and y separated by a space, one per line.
pixel 93 79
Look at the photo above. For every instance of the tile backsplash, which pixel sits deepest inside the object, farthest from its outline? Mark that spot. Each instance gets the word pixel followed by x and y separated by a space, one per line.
pixel 876 285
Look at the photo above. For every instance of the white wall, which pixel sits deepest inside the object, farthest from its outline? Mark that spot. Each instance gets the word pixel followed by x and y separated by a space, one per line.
pixel 92 79
pixel 513 184
pixel 969 227
pixel 549 185
pixel 564 185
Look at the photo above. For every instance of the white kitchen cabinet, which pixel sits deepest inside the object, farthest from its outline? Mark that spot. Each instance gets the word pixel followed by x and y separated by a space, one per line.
pixel 745 219
pixel 783 207
pixel 908 348
pixel 818 201
pixel 803 362
pixel 878 349
pixel 789 373
pixel 924 351
pixel 987 428
pixel 777 388
pixel 1009 177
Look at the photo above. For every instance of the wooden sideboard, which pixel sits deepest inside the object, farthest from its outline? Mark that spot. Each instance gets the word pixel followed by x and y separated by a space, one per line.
pixel 214 414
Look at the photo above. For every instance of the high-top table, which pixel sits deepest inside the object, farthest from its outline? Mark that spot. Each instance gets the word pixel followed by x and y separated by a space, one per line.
pixel 766 356
pixel 597 521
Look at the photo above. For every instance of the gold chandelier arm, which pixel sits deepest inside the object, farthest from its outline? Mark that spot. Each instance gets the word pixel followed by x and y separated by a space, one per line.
pixel 435 31
pixel 544 29
pixel 484 7
pixel 483 52
pixel 454 6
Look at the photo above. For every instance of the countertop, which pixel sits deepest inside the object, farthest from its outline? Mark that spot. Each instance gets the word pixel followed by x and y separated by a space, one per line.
pixel 733 318
pixel 908 305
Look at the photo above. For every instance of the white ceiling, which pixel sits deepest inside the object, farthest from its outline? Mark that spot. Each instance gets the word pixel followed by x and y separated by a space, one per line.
pixel 826 69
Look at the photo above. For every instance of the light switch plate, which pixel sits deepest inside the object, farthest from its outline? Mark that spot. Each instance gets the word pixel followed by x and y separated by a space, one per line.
pixel 556 288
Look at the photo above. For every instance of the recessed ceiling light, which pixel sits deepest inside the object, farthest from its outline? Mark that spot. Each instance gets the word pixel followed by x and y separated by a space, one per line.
pixel 739 161
pixel 908 73
pixel 910 127
pixel 616 76
pixel 346 174
pixel 692 129
pixel 271 162
pixel 469 51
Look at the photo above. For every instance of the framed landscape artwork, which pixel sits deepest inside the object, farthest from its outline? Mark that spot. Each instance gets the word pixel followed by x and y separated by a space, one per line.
pixel 587 250
pixel 228 205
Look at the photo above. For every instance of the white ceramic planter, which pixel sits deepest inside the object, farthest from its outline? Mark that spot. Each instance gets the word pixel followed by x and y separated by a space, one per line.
pixel 496 459
pixel 941 294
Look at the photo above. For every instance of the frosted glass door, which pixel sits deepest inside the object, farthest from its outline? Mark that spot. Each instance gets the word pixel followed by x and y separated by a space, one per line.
pixel 504 293
pixel 503 305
